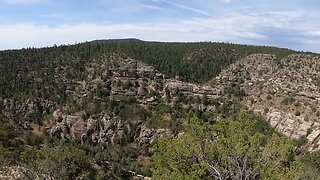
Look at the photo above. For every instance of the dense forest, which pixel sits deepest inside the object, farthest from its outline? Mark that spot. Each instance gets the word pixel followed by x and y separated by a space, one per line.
pixel 194 62
pixel 225 141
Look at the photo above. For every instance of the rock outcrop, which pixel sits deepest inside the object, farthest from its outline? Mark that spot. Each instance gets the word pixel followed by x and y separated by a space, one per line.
pixel 284 91
pixel 104 129
pixel 18 172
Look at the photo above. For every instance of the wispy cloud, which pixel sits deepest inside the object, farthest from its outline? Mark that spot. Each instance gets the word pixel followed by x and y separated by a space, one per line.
pixel 280 28
pixel 184 7
pixel 295 29
pixel 265 28
pixel 30 35
pixel 152 7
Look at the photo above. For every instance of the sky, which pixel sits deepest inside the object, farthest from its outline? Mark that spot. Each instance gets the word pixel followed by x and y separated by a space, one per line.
pixel 293 24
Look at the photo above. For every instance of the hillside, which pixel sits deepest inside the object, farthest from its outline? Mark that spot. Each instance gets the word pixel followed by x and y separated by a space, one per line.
pixel 284 91
pixel 107 107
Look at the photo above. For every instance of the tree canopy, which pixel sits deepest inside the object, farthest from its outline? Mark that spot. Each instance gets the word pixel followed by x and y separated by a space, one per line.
pixel 226 150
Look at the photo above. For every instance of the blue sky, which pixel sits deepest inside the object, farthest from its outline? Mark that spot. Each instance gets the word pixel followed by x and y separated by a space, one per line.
pixel 36 23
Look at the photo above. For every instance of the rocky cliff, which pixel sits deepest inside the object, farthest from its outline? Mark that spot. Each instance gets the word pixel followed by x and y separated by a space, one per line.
pixel 103 128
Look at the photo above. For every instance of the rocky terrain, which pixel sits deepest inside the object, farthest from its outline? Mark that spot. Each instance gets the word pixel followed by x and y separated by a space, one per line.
pixel 18 172
pixel 122 78
pixel 285 91
pixel 116 79
pixel 105 104
pixel 104 129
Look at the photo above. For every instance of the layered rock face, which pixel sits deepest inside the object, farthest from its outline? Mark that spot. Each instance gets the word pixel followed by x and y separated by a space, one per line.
pixel 132 78
pixel 120 78
pixel 110 77
pixel 102 129
pixel 285 91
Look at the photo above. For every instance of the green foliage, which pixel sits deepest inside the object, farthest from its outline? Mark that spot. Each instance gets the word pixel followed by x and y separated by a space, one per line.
pixel 7 156
pixel 7 134
pixel 235 90
pixel 9 142
pixel 162 109
pixel 203 150
pixel 312 165
pixel 301 141
pixel 225 150
pixel 127 85
pixel 72 163
pixel 131 111
pixel 197 62
pixel 288 100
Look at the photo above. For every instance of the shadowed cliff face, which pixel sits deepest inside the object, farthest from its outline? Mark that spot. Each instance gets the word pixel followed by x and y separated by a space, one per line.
pixel 285 92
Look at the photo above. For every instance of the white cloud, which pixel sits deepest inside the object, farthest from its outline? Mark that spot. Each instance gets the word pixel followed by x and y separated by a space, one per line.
pixel 184 7
pixel 237 27
pixel 152 7
pixel 30 35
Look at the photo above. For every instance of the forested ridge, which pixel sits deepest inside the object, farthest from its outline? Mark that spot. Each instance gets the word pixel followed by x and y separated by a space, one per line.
pixel 194 62
pixel 158 132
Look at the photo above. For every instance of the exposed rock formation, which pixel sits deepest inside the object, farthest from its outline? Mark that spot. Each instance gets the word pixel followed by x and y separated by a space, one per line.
pixel 104 129
pixel 285 91
pixel 18 172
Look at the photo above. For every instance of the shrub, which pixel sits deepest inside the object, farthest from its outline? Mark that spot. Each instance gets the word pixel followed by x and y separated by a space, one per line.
pixel 313 108
pixel 288 100
pixel 297 104
pixel 269 97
